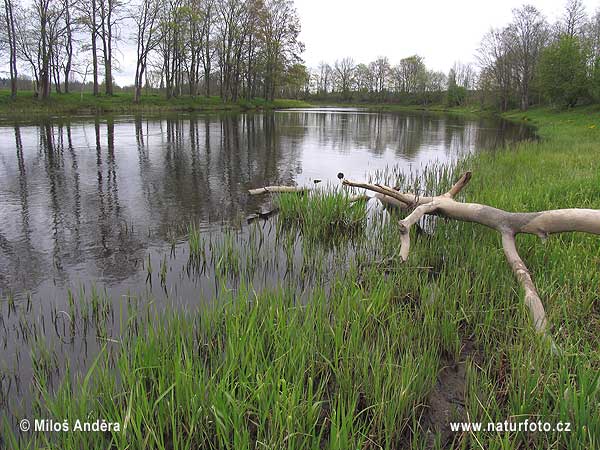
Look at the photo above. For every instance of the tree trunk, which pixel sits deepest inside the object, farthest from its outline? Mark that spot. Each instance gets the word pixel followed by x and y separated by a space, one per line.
pixel 95 63
pixel 10 28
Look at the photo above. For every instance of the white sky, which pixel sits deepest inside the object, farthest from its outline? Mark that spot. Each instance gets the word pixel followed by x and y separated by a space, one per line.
pixel 441 31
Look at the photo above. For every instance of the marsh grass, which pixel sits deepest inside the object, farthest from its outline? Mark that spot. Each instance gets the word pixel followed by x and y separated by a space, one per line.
pixel 354 366
pixel 324 215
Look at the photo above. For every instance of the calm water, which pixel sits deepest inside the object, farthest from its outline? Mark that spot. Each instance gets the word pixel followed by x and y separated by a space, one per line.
pixel 88 204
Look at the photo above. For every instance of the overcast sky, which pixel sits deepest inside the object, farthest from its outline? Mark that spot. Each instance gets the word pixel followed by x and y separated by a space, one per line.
pixel 442 31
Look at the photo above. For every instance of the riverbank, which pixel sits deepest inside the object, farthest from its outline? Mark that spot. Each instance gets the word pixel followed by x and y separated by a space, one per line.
pixel 383 354
pixel 77 104
pixel 473 111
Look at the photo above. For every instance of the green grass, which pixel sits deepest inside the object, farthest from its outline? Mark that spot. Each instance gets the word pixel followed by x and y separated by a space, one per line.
pixel 354 366
pixel 322 215
pixel 75 103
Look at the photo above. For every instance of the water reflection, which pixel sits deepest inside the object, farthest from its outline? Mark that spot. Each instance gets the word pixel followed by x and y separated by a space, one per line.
pixel 72 191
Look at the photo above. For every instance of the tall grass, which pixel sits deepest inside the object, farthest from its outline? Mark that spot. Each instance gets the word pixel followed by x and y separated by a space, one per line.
pixel 323 215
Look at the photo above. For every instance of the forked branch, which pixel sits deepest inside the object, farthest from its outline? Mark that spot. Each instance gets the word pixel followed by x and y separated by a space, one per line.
pixel 508 224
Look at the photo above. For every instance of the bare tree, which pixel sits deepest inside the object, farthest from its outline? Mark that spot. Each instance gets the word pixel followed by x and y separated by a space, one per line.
pixel 528 33
pixel 344 74
pixel 207 36
pixel 146 20
pixel 496 61
pixel 323 76
pixel 464 74
pixel 68 41
pixel 11 38
pixel 110 16
pixel 88 15
pixel 574 18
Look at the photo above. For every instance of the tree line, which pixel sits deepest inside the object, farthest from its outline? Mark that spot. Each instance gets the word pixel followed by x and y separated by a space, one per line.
pixel 529 61
pixel 408 81
pixel 250 48
pixel 233 48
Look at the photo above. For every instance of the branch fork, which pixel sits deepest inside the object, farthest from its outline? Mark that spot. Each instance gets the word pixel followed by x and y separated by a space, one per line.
pixel 508 224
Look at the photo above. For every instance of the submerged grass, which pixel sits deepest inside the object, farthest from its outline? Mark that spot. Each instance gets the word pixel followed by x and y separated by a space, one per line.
pixel 357 365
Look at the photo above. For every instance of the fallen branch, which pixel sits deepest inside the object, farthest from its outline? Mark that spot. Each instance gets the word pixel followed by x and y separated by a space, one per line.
pixel 276 189
pixel 286 189
pixel 508 224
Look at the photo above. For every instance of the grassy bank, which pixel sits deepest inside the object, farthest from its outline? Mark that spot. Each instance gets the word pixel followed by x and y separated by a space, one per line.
pixel 382 355
pixel 472 110
pixel 75 103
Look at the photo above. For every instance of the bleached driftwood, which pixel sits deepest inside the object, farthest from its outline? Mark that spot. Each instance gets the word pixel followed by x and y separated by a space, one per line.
pixel 285 189
pixel 276 189
pixel 508 224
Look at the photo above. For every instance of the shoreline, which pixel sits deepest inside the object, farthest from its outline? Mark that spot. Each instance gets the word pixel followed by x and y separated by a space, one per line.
pixel 122 103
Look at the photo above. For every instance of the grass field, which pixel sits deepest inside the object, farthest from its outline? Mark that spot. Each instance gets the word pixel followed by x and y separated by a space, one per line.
pixel 75 103
pixel 381 350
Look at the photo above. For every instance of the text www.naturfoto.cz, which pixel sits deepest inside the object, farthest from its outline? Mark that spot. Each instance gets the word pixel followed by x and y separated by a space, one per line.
pixel 506 426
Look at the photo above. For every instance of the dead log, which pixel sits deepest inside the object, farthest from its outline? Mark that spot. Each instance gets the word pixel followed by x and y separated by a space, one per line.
pixel 276 189
pixel 286 189
pixel 508 224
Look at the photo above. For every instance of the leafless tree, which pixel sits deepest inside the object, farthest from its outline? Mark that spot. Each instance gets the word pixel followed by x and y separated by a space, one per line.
pixel 464 74
pixel 527 35
pixel 496 58
pixel 381 71
pixel 88 15
pixel 11 42
pixel 344 75
pixel 146 19
pixel 323 78
pixel 110 16
pixel 574 18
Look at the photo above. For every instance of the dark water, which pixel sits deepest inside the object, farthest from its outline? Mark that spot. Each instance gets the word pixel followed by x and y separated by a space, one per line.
pixel 88 204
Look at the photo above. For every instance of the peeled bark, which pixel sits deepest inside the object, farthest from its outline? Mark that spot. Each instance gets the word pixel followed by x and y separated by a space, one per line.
pixel 508 224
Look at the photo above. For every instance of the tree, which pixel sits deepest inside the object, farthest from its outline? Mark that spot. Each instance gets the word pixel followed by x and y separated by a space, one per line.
pixel 464 74
pixel 562 71
pixel 323 77
pixel 527 35
pixel 456 94
pixel 574 18
pixel 68 41
pixel 410 75
pixel 295 81
pixel 496 60
pixel 145 16
pixel 88 15
pixel 344 71
pixel 11 38
pixel 280 30
pixel 108 32
pixel 380 69
pixel 364 79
